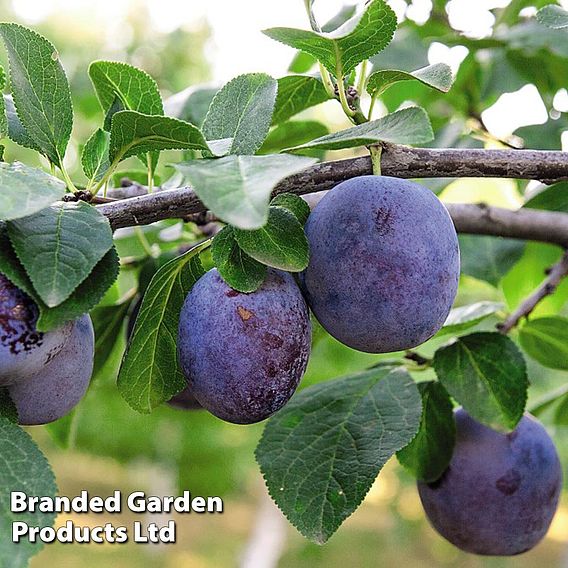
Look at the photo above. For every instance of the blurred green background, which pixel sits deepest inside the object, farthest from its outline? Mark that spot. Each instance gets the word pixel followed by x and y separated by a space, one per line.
pixel 112 447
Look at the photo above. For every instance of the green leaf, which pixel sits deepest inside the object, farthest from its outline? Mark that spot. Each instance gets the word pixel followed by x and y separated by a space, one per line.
pixel 16 130
pixel 62 430
pixel 150 373
pixel 546 341
pixel 297 93
pixel 429 454
pixel 26 190
pixel 94 159
pixel 294 133
pixel 407 126
pixel 281 243
pixel 242 110
pixel 237 188
pixel 438 76
pixel 322 452
pixel 466 317
pixel 22 468
pixel 87 295
pixel 133 133
pixel 486 373
pixel 553 17
pixel 107 322
pixel 40 90
pixel 59 246
pixel 340 51
pixel 191 104
pixel 553 198
pixel 133 87
pixel 293 203
pixel 489 258
pixel 8 409
pixel 237 268
pixel 3 116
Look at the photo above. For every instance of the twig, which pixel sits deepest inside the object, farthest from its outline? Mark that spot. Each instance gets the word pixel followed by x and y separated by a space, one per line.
pixel 555 276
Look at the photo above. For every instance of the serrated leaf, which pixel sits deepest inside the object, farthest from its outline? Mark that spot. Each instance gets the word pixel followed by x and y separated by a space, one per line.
pixel 322 452
pixel 553 198
pixel 297 93
pixel 3 117
pixel 107 323
pixel 237 268
pixel 82 300
pixel 293 203
pixel 438 76
pixel 133 133
pixel 26 190
pixel 360 38
pixel 16 131
pixel 407 126
pixel 95 158
pixel 281 243
pixel 294 133
pixel 237 188
pixel 489 258
pixel 22 468
pixel 546 341
pixel 40 89
pixel 466 317
pixel 59 246
pixel 133 87
pixel 8 409
pixel 430 452
pixel 486 373
pixel 150 373
pixel 553 17
pixel 242 111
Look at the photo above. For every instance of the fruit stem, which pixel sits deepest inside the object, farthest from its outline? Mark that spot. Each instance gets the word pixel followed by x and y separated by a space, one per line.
pixel 376 154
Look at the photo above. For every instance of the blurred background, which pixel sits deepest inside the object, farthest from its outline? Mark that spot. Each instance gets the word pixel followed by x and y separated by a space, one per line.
pixel 510 90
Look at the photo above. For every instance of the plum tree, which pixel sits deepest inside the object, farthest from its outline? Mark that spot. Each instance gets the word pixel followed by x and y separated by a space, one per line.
pixel 24 351
pixel 244 354
pixel 384 264
pixel 56 389
pixel 500 491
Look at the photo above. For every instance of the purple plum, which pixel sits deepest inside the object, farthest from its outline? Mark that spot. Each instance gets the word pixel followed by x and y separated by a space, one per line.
pixel 244 354
pixel 55 390
pixel 24 351
pixel 384 263
pixel 500 491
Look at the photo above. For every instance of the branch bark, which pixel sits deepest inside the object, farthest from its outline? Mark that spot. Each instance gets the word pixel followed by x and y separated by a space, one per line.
pixel 555 276
pixel 399 161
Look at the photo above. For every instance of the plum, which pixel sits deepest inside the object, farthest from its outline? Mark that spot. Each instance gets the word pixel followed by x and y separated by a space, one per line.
pixel 244 354
pixel 23 350
pixel 184 401
pixel 500 491
pixel 55 390
pixel 384 263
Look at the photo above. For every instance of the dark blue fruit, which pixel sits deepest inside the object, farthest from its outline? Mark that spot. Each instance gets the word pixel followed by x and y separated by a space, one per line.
pixel 54 391
pixel 500 491
pixel 384 264
pixel 244 354
pixel 24 350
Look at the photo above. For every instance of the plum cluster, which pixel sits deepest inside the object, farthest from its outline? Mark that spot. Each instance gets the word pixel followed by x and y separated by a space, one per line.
pixel 500 492
pixel 45 374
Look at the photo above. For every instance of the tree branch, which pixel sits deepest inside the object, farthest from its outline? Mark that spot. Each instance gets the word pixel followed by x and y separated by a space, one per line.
pixel 404 162
pixel 555 276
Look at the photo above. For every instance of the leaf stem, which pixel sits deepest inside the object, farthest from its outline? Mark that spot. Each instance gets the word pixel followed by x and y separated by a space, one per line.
pixel 372 107
pixel 150 173
pixel 144 242
pixel 327 82
pixel 362 77
pixel 66 178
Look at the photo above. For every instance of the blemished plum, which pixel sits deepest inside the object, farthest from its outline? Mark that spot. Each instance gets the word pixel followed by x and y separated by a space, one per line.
pixel 384 263
pixel 500 491
pixel 244 354
pixel 24 350
pixel 55 390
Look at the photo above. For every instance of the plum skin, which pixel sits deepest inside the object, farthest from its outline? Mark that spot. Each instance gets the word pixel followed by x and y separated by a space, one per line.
pixel 384 264
pixel 55 390
pixel 24 351
pixel 244 354
pixel 500 491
